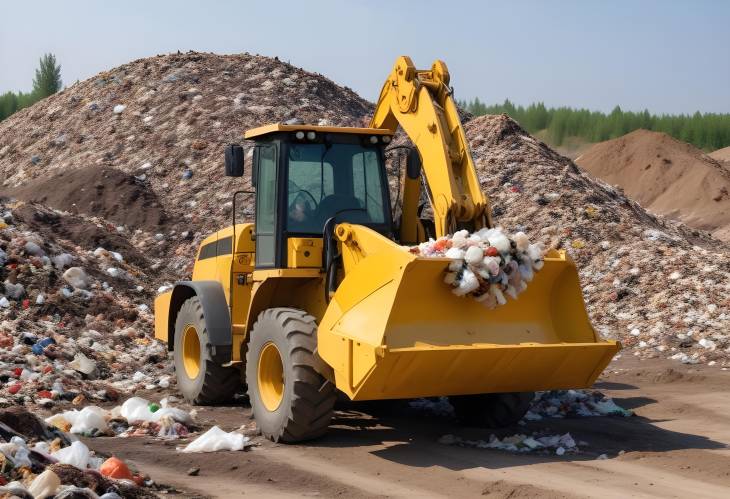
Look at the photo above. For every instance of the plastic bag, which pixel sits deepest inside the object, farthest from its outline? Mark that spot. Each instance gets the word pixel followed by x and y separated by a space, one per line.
pixel 76 454
pixel 88 420
pixel 137 409
pixel 116 468
pixel 45 485
pixel 216 439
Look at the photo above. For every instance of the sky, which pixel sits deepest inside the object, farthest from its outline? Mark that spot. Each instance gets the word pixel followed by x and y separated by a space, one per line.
pixel 665 56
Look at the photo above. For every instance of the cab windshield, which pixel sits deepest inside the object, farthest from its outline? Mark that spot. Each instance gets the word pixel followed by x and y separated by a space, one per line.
pixel 333 179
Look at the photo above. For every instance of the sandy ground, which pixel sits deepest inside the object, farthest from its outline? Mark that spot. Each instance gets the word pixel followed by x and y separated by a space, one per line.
pixel 675 446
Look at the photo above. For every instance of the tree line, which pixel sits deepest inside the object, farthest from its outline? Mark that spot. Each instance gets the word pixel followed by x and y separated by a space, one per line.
pixel 47 81
pixel 707 131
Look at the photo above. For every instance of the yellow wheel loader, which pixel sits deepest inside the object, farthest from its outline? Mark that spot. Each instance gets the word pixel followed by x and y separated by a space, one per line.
pixel 319 295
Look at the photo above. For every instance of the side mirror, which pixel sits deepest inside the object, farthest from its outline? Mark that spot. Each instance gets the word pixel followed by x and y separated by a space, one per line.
pixel 234 160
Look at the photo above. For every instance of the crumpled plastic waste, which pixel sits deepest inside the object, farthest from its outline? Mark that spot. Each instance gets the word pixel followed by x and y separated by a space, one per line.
pixel 559 444
pixel 76 454
pixel 44 485
pixel 573 403
pixel 135 417
pixel 488 265
pixel 215 439
pixel 54 463
pixel 546 404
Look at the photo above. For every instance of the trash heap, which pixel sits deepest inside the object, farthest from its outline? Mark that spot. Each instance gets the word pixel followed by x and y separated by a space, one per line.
pixel 537 442
pixel 165 120
pixel 75 324
pixel 488 264
pixel 39 461
pixel 661 288
pixel 135 417
pixel 658 286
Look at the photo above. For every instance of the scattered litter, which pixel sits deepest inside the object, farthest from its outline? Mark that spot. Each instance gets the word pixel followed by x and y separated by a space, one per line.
pixel 537 442
pixel 216 439
pixel 135 417
pixel 546 404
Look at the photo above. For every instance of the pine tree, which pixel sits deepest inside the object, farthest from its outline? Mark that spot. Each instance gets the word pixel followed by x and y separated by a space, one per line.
pixel 47 79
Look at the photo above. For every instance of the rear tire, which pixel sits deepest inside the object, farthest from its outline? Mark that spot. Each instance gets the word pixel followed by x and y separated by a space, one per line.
pixel 291 401
pixel 491 410
pixel 200 380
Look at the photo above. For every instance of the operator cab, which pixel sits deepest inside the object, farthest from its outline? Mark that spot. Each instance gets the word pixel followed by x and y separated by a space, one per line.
pixel 307 175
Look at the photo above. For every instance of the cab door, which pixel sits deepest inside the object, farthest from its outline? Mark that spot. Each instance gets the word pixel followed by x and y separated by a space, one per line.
pixel 266 206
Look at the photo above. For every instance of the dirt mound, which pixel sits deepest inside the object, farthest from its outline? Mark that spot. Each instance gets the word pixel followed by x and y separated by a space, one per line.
pixel 667 177
pixel 96 191
pixel 721 155
pixel 644 282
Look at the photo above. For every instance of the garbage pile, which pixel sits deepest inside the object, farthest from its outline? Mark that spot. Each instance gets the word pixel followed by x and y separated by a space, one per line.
pixel 658 286
pixel 661 288
pixel 487 265
pixel 135 417
pixel 165 120
pixel 546 404
pixel 537 442
pixel 39 461
pixel 75 324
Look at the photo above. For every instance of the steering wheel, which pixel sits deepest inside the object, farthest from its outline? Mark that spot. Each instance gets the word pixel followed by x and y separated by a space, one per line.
pixel 300 191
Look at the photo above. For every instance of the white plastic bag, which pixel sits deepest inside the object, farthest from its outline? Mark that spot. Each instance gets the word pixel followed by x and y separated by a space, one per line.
pixel 45 485
pixel 216 439
pixel 137 409
pixel 89 419
pixel 76 454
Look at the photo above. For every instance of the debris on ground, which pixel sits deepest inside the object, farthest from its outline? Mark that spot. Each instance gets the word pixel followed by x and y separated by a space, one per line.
pixel 215 439
pixel 135 417
pixel 546 404
pixel 573 403
pixel 40 461
pixel 536 442
pixel 487 265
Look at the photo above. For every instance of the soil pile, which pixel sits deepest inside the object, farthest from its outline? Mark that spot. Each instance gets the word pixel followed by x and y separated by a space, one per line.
pixel 667 177
pixel 96 191
pixel 722 155
pixel 644 282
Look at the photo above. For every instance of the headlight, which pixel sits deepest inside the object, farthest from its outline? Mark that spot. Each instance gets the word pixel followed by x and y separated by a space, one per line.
pixel 311 135
pixel 373 139
pixel 386 139
pixel 299 135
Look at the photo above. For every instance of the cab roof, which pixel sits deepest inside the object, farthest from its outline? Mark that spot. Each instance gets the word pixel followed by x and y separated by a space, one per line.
pixel 281 127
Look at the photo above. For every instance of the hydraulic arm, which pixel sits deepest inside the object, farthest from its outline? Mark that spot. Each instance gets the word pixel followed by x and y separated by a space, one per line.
pixel 421 102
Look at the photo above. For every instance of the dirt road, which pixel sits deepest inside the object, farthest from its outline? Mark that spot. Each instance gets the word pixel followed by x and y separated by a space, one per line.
pixel 677 445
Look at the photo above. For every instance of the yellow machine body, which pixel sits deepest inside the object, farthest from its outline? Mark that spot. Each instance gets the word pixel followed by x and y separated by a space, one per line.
pixel 393 328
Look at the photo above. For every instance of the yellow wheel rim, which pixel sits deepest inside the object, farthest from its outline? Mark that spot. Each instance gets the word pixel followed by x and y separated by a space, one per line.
pixel 191 351
pixel 271 377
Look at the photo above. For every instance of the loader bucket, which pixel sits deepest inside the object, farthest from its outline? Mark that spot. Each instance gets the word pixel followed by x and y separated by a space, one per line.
pixel 395 330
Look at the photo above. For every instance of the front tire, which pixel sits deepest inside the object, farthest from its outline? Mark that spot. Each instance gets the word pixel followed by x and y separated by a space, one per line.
pixel 291 401
pixel 200 380
pixel 491 410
